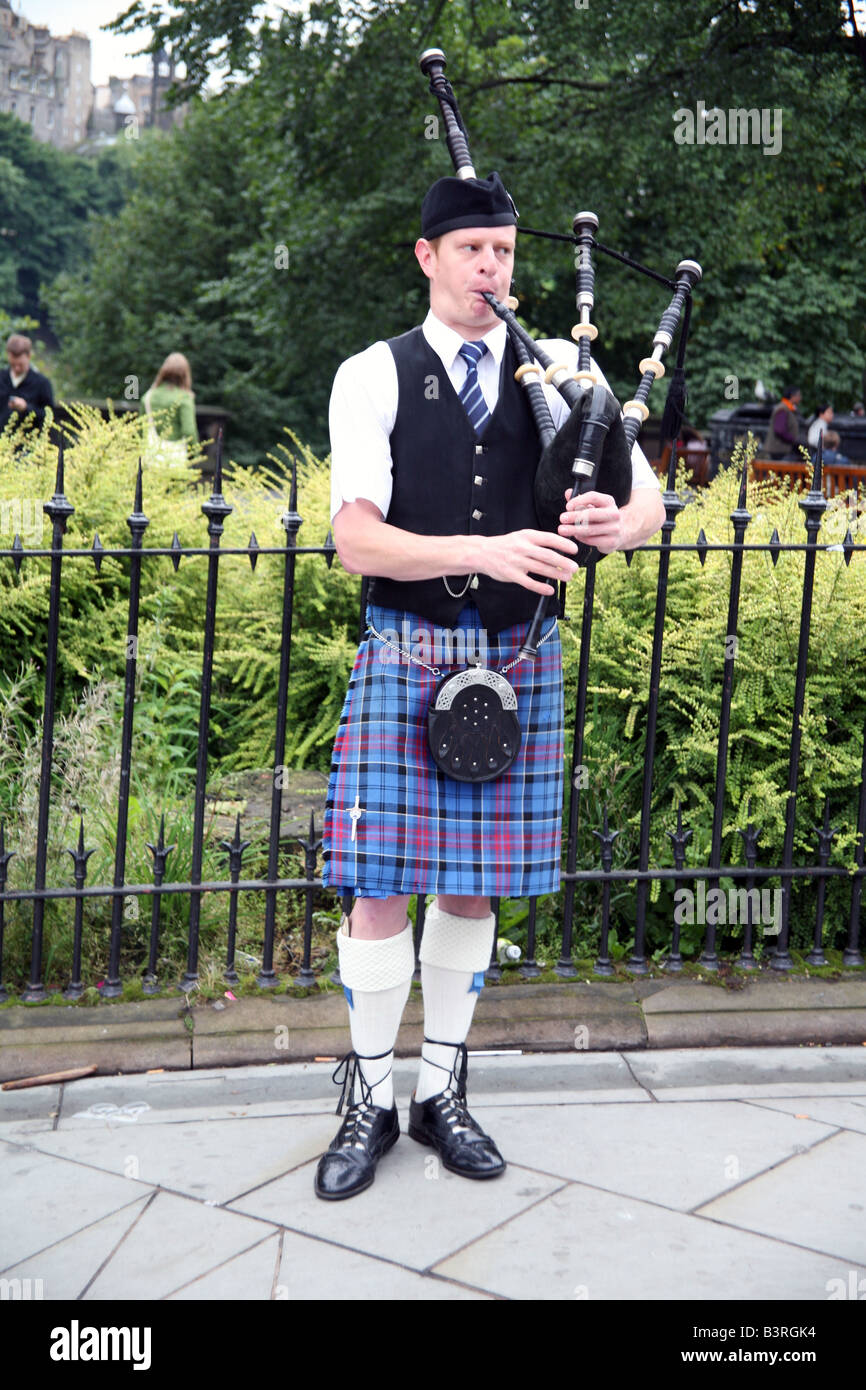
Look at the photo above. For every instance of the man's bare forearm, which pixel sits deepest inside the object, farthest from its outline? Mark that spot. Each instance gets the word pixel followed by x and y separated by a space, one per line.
pixel 366 544
pixel 642 516
pixel 371 546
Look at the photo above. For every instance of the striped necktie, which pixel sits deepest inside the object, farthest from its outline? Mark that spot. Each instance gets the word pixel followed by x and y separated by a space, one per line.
pixel 470 393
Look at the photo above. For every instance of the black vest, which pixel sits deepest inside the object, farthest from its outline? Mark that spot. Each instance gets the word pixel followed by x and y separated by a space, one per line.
pixel 445 483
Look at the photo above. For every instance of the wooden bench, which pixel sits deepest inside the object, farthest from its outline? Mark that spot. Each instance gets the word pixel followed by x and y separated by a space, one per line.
pixel 696 460
pixel 836 478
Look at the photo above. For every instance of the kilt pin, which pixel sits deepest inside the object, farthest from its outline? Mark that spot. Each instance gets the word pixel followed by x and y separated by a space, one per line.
pixel 394 822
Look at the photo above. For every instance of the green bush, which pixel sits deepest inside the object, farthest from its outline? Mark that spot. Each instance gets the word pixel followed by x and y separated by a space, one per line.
pixel 100 475
pixel 99 481
pixel 693 657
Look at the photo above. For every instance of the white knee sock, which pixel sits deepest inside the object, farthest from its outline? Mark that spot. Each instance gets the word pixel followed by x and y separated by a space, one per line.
pixel 376 977
pixel 455 952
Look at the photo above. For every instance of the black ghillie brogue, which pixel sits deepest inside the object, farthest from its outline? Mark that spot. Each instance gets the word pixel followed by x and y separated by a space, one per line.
pixel 368 1132
pixel 443 1123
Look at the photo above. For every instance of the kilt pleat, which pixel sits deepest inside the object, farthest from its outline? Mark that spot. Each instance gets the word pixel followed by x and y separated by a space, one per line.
pixel 416 830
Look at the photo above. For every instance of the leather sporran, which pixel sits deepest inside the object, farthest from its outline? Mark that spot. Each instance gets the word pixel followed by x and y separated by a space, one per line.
pixel 472 725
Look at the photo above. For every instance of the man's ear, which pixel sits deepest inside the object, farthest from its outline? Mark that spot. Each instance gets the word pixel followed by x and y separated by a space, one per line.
pixel 425 256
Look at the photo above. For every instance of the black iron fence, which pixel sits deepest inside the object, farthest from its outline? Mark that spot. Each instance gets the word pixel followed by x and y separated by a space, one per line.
pixel 753 875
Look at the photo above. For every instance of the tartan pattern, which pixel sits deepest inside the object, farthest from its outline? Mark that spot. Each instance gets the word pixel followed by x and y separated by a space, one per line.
pixel 420 831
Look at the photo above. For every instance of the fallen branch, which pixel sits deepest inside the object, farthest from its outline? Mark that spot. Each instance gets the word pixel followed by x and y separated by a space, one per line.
pixel 48 1078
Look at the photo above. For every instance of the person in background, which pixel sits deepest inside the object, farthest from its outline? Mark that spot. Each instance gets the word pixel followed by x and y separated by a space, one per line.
pixel 822 419
pixel 831 450
pixel 24 392
pixel 690 439
pixel 786 426
pixel 172 391
pixel 858 408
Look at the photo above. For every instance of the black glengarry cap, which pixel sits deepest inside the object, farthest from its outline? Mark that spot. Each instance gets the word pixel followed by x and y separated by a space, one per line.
pixel 452 203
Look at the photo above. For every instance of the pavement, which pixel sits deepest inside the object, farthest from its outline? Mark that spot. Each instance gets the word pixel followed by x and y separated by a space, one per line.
pixel 633 1174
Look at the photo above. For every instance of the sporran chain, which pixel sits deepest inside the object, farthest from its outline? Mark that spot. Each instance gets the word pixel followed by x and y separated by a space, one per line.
pixel 435 670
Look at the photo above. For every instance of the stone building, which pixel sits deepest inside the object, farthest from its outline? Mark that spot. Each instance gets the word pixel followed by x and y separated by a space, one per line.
pixel 45 80
pixel 127 104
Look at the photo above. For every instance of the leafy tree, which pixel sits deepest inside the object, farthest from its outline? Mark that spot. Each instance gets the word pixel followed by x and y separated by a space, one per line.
pixel 46 198
pixel 320 145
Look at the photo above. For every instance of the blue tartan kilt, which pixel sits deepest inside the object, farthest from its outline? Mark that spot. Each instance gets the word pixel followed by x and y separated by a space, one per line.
pixel 394 822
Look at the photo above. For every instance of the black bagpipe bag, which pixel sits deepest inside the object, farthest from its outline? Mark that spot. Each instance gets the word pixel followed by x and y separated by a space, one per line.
pixel 594 430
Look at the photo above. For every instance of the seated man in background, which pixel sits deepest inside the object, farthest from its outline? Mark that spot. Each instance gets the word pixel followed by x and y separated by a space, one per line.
pixel 821 422
pixel 831 450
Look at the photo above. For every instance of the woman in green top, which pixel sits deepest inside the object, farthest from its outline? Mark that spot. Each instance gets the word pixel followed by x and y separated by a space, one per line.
pixel 172 392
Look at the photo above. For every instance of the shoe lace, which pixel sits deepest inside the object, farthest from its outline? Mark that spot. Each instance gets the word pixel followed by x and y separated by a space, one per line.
pixel 359 1119
pixel 451 1104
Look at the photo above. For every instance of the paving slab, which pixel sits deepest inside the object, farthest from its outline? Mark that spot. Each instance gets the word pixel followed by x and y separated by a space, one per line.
pixel 174 1240
pixel 307 1088
pixel 676 1156
pixel 208 1160
pixel 702 1066
pixel 244 1278
pixel 816 1199
pixel 560 1098
pixel 314 1269
pixel 171 1097
pixel 829 1110
pixel 67 1267
pixel 45 1199
pixel 23 1112
pixel 307 1269
pixel 767 1090
pixel 582 1243
pixel 115 1115
pixel 415 1213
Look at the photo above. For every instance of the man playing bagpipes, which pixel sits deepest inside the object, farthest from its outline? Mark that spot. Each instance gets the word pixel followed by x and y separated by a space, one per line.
pixel 447 774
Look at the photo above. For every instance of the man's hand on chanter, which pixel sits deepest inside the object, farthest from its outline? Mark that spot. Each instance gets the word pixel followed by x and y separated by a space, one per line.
pixel 518 556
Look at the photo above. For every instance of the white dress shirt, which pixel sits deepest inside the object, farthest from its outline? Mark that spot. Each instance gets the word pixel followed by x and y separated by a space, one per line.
pixel 363 409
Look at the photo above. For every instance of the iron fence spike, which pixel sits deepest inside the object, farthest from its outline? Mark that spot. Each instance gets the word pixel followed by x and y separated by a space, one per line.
pixel 775 547
pixel 330 549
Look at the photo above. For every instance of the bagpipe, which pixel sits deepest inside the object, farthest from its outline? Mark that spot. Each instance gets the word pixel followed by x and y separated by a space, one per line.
pixel 592 449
